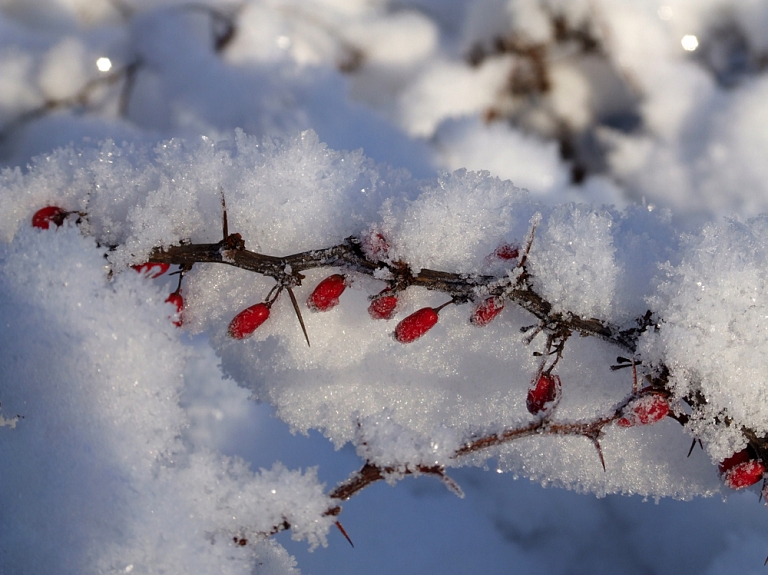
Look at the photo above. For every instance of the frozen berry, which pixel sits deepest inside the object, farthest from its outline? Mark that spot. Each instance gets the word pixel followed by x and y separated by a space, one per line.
pixel 152 269
pixel 375 247
pixel 383 306
pixel 506 251
pixel 544 396
pixel 248 320
pixel 741 470
pixel 43 217
pixel 326 295
pixel 644 410
pixel 176 299
pixel 415 325
pixel 486 311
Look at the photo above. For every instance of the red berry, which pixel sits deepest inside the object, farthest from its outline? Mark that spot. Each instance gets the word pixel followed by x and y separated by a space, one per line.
pixel 326 294
pixel 644 410
pixel 176 299
pixel 383 306
pixel 486 311
pixel 741 470
pixel 415 325
pixel 248 320
pixel 506 251
pixel 152 269
pixel 544 396
pixel 43 217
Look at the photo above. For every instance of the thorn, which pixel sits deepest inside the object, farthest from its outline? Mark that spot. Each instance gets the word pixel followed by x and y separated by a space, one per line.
pixel 224 225
pixel 298 314
pixel 634 376
pixel 344 533
pixel 693 444
pixel 599 453
pixel 452 485
pixel 618 367
pixel 529 240
pixel 620 359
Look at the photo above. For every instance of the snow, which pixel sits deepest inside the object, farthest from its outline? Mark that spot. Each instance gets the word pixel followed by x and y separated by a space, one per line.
pixel 130 445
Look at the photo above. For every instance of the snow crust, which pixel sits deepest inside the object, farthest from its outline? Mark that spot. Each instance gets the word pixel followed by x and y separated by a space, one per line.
pixel 97 477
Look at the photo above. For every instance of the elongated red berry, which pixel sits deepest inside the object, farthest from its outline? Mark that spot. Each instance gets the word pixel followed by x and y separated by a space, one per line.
pixel 486 311
pixel 152 269
pixel 415 325
pixel 383 306
pixel 544 395
pixel 176 299
pixel 741 470
pixel 45 216
pixel 644 410
pixel 326 295
pixel 248 321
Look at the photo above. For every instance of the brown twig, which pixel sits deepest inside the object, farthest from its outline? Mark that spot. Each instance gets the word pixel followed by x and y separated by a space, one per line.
pixel 348 255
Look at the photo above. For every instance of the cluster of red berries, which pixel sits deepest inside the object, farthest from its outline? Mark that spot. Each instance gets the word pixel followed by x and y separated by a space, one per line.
pixel 740 470
pixel 383 305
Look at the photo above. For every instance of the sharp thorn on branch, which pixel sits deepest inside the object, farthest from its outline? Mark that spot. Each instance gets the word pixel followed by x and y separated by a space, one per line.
pixel 529 240
pixel 298 314
pixel 635 387
pixel 452 486
pixel 599 452
pixel 693 444
pixel 224 225
pixel 344 533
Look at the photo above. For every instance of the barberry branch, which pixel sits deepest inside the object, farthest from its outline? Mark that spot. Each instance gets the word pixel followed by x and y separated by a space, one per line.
pixel 286 271
pixel 642 406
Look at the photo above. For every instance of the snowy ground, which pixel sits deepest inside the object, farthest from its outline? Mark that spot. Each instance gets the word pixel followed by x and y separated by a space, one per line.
pixel 638 129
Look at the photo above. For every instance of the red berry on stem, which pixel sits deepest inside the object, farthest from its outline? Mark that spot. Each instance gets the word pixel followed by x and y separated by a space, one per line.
pixel 544 396
pixel 326 295
pixel 383 306
pixel 741 470
pixel 248 321
pixel 486 311
pixel 644 410
pixel 506 251
pixel 415 325
pixel 152 269
pixel 176 299
pixel 43 217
